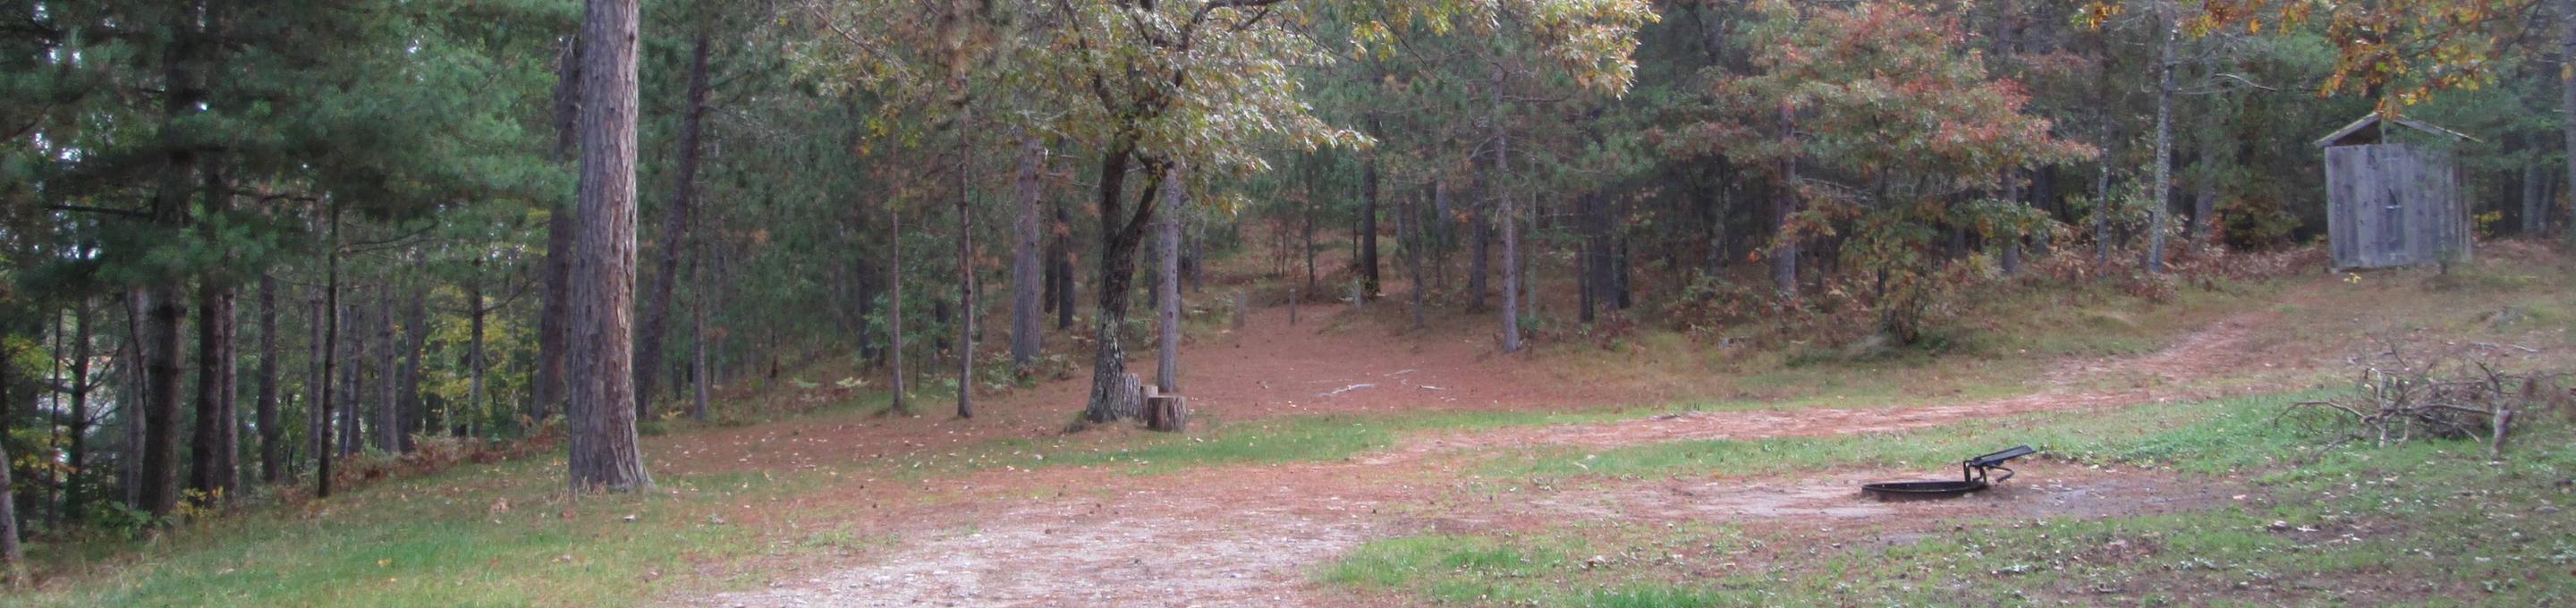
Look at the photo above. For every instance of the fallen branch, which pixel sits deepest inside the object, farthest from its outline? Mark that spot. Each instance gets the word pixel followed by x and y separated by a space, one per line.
pixel 1339 391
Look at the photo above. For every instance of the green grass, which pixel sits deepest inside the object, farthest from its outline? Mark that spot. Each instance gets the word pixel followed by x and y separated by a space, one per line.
pixel 1312 438
pixel 435 541
pixel 2206 437
pixel 2430 522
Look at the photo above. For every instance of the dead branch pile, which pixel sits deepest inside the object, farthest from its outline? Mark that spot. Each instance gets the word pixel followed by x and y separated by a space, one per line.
pixel 2399 398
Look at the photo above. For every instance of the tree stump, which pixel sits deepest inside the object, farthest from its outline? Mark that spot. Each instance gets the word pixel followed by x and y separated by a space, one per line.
pixel 1167 413
pixel 1131 403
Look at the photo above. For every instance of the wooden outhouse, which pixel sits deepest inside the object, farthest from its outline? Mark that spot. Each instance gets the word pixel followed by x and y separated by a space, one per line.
pixel 2393 195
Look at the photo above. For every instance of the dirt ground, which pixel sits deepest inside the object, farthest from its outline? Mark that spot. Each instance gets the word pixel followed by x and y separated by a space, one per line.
pixel 1250 535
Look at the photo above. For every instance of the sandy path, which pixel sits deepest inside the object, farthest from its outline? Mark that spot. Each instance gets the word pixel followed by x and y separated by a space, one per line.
pixel 1247 536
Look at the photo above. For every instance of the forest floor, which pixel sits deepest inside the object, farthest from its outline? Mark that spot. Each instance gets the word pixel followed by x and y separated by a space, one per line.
pixel 1346 460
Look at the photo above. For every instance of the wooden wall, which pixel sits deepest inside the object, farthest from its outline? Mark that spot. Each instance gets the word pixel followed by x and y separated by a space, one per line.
pixel 2391 205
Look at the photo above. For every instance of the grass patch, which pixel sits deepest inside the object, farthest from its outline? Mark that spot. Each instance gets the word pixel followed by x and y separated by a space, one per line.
pixel 1312 438
pixel 501 535
pixel 2430 522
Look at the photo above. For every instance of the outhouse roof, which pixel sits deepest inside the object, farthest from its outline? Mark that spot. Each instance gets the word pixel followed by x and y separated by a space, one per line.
pixel 2349 131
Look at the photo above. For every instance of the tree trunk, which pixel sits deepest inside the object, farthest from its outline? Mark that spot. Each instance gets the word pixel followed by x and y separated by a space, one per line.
pixel 351 381
pixel 1511 231
pixel 389 346
pixel 1120 232
pixel 2567 94
pixel 675 227
pixel 1784 210
pixel 216 451
pixel 1025 297
pixel 1479 264
pixel 702 377
pixel 965 287
pixel 265 400
pixel 894 313
pixel 1309 232
pixel 327 318
pixel 1167 359
pixel 2534 214
pixel 182 91
pixel 2161 194
pixel 2102 196
pixel 604 451
pixel 11 556
pixel 475 310
pixel 1412 223
pixel 76 448
pixel 412 411
pixel 554 318
pixel 1368 222
pixel 1062 255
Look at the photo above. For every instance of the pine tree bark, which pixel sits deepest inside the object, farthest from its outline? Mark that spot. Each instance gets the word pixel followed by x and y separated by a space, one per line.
pixel 413 411
pixel 675 227
pixel 327 350
pixel 1511 231
pixel 1062 255
pixel 182 90
pixel 604 451
pixel 1413 221
pixel 2535 218
pixel 389 343
pixel 1784 210
pixel 11 555
pixel 2161 193
pixel 894 314
pixel 1025 296
pixel 2567 95
pixel 476 308
pixel 216 449
pixel 554 317
pixel 76 447
pixel 1368 222
pixel 965 289
pixel 702 376
pixel 1167 359
pixel 264 402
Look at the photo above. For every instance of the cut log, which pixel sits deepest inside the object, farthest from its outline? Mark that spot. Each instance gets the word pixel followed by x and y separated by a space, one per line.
pixel 1167 413
pixel 1132 404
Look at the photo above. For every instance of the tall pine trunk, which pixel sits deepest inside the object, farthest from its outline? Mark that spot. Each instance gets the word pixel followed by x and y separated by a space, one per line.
pixel 216 450
pixel 1784 210
pixel 475 309
pixel 1368 222
pixel 1025 275
pixel 412 410
pixel 264 402
pixel 1411 223
pixel 966 307
pixel 894 313
pixel 1511 231
pixel 76 448
pixel 389 343
pixel 2567 94
pixel 182 91
pixel 675 227
pixel 327 322
pixel 2161 193
pixel 1062 254
pixel 604 453
pixel 554 316
pixel 1167 357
